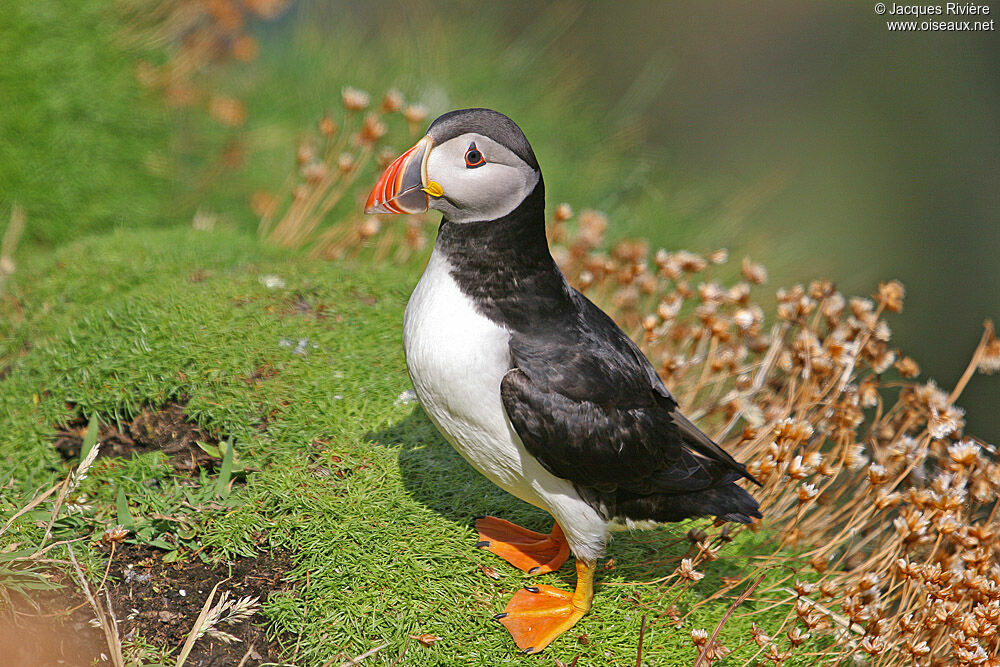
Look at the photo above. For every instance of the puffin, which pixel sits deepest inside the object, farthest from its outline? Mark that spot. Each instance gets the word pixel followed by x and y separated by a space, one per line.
pixel 534 385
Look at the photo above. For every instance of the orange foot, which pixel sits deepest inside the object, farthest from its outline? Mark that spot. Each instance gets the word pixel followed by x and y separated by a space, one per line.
pixel 532 552
pixel 538 614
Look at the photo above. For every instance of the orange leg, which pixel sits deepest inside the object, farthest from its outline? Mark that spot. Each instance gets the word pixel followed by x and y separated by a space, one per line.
pixel 538 614
pixel 532 552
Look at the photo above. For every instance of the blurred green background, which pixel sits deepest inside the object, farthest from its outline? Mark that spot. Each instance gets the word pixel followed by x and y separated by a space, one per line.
pixel 804 134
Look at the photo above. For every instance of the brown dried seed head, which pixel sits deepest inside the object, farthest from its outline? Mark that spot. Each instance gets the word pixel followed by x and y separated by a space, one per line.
pixel 755 273
pixel 305 154
pixel 740 293
pixel 686 570
pixel 804 588
pixel 327 126
pixel 833 306
pixel 227 110
pixel 891 294
pixel 563 212
pixel 884 499
pixel 807 492
pixel 263 203
pixel 918 650
pixel 760 637
pixel 797 468
pixel 354 99
pixel 908 368
pixel 720 256
pixel 372 129
pixel 369 227
pixel 114 535
pixel 699 637
pixel 877 474
pixel 710 293
pixel 314 173
pixel 989 358
pixel 716 652
pixel 690 262
pixel 796 637
pixel 945 422
pixel 345 162
pixel 392 101
pixel 964 453
pixel 226 15
pixel 415 114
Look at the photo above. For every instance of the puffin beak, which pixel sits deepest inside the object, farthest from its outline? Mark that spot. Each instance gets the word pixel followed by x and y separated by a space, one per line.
pixel 403 187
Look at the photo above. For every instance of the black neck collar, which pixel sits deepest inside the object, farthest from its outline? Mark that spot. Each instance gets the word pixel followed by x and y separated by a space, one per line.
pixel 504 265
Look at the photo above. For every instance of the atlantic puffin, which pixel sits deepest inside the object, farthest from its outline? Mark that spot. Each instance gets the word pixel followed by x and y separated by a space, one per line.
pixel 533 384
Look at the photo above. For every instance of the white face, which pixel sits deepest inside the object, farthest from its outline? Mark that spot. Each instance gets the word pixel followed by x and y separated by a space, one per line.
pixel 481 182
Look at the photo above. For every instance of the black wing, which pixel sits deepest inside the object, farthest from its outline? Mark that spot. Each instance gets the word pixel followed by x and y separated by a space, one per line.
pixel 589 406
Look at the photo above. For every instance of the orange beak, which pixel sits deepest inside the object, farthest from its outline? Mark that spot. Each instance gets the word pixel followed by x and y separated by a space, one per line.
pixel 402 187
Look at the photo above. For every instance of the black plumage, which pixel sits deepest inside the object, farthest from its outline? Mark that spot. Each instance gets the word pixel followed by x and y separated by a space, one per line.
pixel 580 394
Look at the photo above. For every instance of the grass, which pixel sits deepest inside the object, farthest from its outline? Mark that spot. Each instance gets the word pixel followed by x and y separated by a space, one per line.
pixel 82 148
pixel 375 508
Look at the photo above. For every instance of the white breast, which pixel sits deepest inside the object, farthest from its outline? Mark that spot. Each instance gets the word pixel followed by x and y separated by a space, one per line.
pixel 456 358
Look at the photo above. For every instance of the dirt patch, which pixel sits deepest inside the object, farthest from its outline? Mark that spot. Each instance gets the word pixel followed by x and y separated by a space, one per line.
pixel 156 601
pixel 161 602
pixel 166 429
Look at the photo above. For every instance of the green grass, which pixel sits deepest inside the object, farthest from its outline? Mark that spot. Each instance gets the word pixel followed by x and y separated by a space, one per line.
pixel 374 507
pixel 78 137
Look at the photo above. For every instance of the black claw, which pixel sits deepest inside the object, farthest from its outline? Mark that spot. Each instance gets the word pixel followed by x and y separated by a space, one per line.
pixel 483 544
pixel 535 569
pixel 532 589
pixel 502 614
pixel 530 649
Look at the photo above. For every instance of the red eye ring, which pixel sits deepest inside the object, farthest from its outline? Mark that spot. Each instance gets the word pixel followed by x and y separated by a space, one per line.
pixel 473 157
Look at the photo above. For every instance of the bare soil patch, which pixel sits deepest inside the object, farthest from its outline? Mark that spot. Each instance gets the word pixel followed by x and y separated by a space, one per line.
pixel 161 602
pixel 166 429
pixel 152 599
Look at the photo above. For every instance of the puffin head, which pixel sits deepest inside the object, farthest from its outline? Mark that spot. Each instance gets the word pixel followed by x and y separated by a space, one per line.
pixel 473 165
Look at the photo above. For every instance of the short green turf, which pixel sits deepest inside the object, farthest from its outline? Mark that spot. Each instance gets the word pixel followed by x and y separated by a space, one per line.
pixel 79 138
pixel 374 507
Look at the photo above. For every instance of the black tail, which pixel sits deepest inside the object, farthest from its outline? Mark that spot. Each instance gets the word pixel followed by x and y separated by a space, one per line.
pixel 726 501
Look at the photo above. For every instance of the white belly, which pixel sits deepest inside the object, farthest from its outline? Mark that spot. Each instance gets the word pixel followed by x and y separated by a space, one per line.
pixel 456 359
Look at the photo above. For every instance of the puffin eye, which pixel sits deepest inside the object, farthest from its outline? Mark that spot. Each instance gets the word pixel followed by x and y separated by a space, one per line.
pixel 473 158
